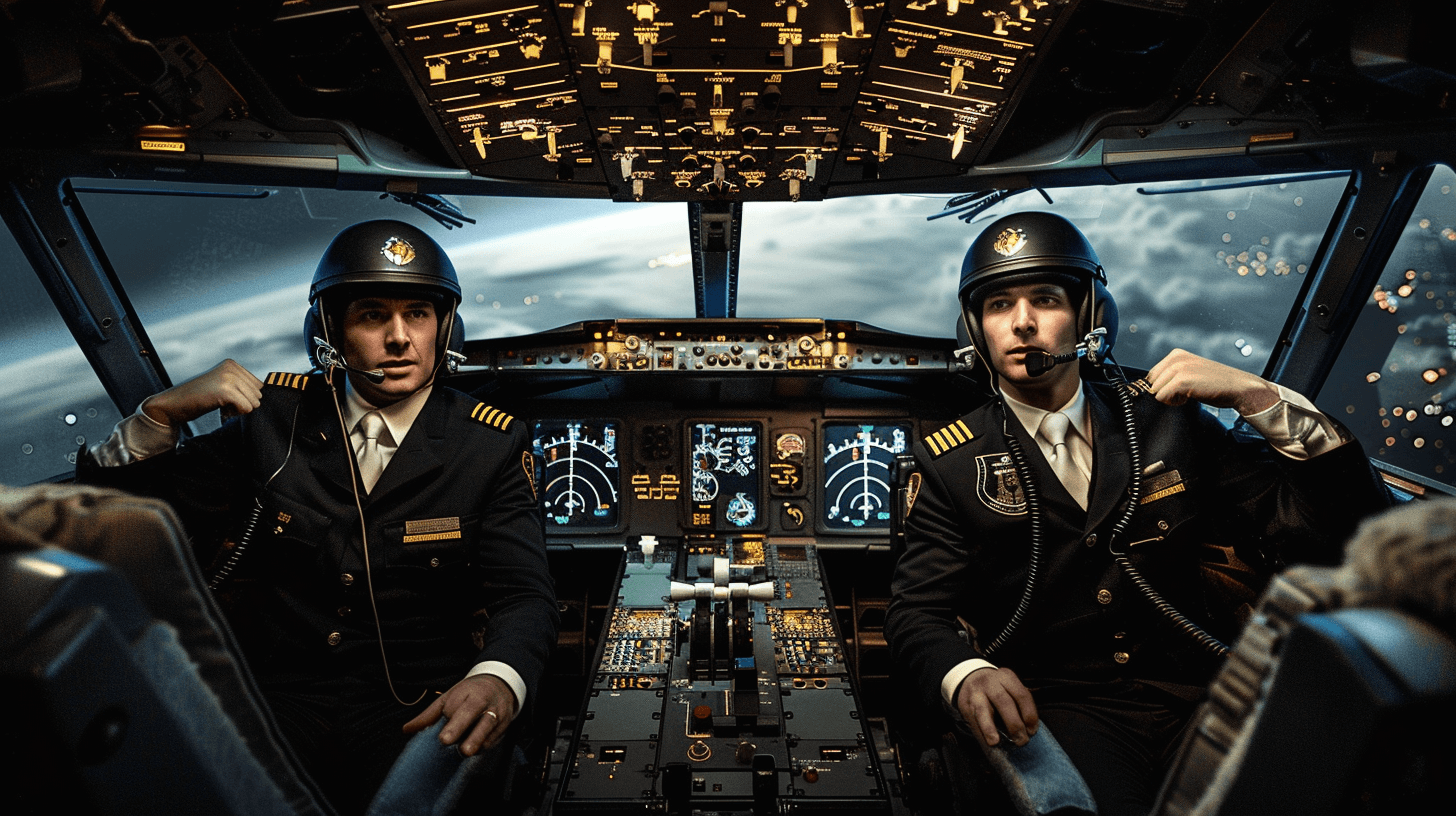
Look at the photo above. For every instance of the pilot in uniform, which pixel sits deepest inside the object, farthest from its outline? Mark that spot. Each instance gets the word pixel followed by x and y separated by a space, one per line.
pixel 454 611
pixel 1066 636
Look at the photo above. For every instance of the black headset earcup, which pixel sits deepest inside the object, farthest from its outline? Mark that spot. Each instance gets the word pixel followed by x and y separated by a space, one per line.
pixel 312 327
pixel 457 335
pixel 1106 316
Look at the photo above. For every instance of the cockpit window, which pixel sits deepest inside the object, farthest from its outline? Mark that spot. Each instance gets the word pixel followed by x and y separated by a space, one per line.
pixel 1213 267
pixel 1393 383
pixel 217 272
pixel 50 397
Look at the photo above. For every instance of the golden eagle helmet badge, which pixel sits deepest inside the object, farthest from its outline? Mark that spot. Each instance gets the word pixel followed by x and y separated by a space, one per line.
pixel 1010 241
pixel 398 251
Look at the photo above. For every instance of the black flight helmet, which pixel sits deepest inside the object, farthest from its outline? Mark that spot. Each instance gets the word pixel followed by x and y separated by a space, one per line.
pixel 1030 247
pixel 382 258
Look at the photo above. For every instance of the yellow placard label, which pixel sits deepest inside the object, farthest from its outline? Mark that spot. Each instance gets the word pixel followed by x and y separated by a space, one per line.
pixel 169 146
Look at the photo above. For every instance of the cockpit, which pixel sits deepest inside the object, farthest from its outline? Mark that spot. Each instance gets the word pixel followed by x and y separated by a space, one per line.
pixel 709 254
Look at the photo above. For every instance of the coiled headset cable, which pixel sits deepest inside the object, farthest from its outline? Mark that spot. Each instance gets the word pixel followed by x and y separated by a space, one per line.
pixel 245 539
pixel 1135 492
pixel 1033 562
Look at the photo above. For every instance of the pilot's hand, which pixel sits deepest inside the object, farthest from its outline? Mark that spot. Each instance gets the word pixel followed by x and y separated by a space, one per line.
pixel 477 711
pixel 989 691
pixel 1183 376
pixel 226 385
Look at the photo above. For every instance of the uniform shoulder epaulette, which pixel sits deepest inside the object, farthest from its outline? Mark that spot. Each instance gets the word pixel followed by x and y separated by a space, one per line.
pixel 287 380
pixel 494 417
pixel 948 438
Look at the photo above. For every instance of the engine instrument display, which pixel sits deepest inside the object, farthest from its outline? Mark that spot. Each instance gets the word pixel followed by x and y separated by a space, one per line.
pixel 581 477
pixel 856 487
pixel 725 472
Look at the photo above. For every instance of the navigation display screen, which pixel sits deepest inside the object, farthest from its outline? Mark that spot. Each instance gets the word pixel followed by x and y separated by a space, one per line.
pixel 580 483
pixel 726 472
pixel 856 486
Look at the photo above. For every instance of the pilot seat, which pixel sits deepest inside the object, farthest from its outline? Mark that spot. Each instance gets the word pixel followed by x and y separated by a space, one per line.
pixel 128 693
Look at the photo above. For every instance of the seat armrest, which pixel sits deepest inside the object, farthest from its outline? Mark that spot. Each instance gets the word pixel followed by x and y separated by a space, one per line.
pixel 1039 776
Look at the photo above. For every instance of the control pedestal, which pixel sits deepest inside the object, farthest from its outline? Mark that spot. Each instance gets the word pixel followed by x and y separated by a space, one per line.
pixel 721 686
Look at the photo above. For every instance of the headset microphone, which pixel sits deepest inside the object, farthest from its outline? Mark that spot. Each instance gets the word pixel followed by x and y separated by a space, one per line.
pixel 1039 362
pixel 329 357
pixel 1092 347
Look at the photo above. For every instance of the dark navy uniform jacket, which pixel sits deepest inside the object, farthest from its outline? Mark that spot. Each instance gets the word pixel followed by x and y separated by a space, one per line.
pixel 1216 508
pixel 456 547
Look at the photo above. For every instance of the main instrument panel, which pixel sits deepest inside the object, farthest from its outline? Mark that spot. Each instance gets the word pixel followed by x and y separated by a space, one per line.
pixel 783 428
pixel 659 471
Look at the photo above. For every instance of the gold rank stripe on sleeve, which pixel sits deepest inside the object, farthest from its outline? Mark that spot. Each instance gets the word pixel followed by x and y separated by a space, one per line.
pixel 287 380
pixel 946 439
pixel 493 417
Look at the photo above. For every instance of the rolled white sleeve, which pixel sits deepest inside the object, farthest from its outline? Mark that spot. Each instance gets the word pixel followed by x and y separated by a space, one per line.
pixel 508 675
pixel 1295 427
pixel 134 438
pixel 953 678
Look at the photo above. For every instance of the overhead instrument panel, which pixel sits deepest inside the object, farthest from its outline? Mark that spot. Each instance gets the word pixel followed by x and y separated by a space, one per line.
pixel 725 485
pixel 943 73
pixel 856 484
pixel 581 474
pixel 715 99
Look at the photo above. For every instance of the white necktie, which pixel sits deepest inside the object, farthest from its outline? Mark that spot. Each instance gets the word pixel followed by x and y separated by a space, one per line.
pixel 371 459
pixel 1054 429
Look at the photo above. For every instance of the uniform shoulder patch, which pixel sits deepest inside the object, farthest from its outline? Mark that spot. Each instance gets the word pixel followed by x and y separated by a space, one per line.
pixel 948 438
pixel 494 417
pixel 286 380
pixel 528 464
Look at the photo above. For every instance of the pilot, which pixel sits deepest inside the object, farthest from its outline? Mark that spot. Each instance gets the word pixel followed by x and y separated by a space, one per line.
pixel 387 558
pixel 1084 606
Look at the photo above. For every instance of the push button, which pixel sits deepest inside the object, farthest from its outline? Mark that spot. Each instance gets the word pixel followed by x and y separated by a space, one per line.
pixel 335 638
pixel 1104 597
pixel 346 579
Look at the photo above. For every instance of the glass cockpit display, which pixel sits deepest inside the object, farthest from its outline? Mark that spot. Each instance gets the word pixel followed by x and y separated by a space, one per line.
pixel 581 473
pixel 857 459
pixel 725 473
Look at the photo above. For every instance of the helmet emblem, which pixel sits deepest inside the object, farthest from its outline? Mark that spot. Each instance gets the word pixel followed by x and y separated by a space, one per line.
pixel 1010 241
pixel 398 251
